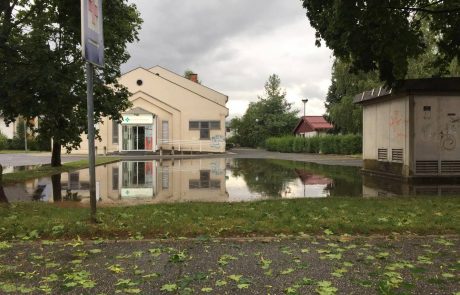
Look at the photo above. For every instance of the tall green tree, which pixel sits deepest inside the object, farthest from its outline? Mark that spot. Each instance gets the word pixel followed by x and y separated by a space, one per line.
pixel 270 115
pixel 346 83
pixel 383 35
pixel 345 116
pixel 43 71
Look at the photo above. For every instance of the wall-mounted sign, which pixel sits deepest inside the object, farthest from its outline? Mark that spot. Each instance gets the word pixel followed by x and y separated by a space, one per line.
pixel 92 35
pixel 137 193
pixel 141 119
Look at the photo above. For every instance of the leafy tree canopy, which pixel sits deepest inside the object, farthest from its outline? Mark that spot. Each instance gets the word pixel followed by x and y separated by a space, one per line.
pixel 42 71
pixel 270 115
pixel 345 83
pixel 383 36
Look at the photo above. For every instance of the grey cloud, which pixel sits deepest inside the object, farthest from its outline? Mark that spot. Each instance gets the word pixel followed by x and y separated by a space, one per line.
pixel 234 45
pixel 176 32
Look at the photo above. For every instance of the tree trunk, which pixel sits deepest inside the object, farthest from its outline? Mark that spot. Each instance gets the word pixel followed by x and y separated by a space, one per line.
pixel 57 188
pixel 56 154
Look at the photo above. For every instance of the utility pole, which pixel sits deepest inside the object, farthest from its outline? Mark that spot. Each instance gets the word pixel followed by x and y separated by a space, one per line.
pixel 91 151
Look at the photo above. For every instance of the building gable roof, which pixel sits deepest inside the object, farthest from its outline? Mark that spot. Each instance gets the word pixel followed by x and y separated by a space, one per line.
pixel 312 123
pixel 184 82
pixel 158 76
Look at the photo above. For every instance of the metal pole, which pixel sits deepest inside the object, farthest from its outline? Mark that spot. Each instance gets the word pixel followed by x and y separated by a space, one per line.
pixel 25 134
pixel 91 155
pixel 305 100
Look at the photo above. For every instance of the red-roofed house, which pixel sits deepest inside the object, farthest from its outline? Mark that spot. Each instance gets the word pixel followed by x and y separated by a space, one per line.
pixel 309 126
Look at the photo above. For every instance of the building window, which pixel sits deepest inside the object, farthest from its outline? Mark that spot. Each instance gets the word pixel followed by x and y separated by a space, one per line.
pixel 204 127
pixel 204 130
pixel 215 125
pixel 205 181
pixel 165 131
pixel 165 178
pixel 193 125
pixel 114 178
pixel 115 127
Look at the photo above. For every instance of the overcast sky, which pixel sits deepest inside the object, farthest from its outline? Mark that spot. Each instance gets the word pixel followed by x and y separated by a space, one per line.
pixel 234 46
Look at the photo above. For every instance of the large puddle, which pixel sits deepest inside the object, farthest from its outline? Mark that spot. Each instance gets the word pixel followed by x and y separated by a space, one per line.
pixel 212 180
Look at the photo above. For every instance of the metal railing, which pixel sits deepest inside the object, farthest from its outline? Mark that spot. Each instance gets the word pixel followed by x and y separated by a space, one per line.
pixel 192 145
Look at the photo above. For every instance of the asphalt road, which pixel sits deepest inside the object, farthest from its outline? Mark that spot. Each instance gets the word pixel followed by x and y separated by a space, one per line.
pixel 25 159
pixel 303 265
pixel 342 160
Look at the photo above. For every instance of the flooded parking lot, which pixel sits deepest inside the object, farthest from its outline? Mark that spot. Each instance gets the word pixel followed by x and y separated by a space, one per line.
pixel 212 180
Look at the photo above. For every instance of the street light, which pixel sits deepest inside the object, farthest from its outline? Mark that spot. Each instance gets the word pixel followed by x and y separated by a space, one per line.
pixel 305 100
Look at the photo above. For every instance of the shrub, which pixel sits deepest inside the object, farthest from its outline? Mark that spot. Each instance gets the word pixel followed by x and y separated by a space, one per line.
pixel 328 144
pixel 3 142
pixel 351 144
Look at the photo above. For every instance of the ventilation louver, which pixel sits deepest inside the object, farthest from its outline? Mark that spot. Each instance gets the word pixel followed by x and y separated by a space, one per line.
pixel 397 155
pixel 450 166
pixel 426 167
pixel 382 154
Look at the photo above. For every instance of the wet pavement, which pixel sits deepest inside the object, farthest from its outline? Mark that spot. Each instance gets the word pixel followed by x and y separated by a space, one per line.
pixel 302 265
pixel 246 153
pixel 25 159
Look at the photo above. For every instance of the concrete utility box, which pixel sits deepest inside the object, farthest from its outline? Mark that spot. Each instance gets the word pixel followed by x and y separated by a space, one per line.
pixel 413 131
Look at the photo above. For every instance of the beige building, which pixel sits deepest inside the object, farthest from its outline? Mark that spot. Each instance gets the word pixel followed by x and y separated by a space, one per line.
pixel 168 112
pixel 413 131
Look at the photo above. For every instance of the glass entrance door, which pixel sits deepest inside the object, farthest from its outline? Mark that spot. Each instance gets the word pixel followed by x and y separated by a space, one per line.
pixel 134 137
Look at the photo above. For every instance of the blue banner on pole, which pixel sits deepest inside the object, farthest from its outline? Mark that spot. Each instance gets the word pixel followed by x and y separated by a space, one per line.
pixel 92 32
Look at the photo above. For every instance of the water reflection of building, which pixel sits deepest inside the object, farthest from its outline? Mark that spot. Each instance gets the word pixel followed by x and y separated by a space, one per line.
pixel 381 187
pixel 153 181
pixel 314 185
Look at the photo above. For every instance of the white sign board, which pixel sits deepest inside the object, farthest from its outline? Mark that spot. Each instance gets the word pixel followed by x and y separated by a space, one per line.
pixel 137 192
pixel 92 34
pixel 141 119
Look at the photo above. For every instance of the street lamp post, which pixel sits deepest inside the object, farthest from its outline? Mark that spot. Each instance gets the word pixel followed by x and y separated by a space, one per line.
pixel 25 134
pixel 305 100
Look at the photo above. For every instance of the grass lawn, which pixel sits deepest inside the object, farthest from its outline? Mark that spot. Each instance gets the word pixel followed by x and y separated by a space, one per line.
pixel 46 170
pixel 421 215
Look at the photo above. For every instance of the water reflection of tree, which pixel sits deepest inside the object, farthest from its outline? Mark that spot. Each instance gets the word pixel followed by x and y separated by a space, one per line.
pixel 3 198
pixel 57 187
pixel 263 176
pixel 271 177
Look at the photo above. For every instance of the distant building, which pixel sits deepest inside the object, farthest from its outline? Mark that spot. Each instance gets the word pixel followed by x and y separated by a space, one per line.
pixel 412 131
pixel 309 126
pixel 168 112
pixel 9 131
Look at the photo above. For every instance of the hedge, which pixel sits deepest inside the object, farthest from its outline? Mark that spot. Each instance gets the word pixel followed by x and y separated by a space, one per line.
pixel 33 143
pixel 329 144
